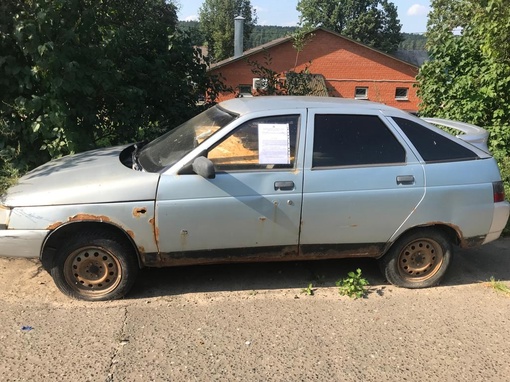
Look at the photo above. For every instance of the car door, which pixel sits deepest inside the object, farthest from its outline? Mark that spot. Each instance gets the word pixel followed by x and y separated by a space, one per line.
pixel 253 204
pixel 361 183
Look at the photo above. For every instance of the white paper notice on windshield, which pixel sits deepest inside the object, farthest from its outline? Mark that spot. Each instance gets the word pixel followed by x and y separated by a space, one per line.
pixel 274 143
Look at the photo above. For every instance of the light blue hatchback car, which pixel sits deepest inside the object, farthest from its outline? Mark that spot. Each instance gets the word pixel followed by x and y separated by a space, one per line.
pixel 259 179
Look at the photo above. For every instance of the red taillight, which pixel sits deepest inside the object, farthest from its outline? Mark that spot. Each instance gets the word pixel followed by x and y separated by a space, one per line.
pixel 499 191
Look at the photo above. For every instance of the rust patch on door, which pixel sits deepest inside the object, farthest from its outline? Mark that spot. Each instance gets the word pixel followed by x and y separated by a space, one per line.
pixel 155 229
pixel 139 211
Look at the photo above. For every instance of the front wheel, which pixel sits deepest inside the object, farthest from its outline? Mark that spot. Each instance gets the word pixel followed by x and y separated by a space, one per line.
pixel 94 268
pixel 418 260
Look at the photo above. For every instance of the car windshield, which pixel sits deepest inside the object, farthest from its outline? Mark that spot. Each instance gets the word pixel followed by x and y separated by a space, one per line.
pixel 172 146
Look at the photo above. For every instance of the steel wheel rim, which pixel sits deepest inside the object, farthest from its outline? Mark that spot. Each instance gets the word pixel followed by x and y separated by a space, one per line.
pixel 420 260
pixel 92 271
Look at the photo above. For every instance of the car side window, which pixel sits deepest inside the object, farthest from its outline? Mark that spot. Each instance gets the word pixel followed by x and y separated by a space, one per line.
pixel 262 143
pixel 350 140
pixel 433 147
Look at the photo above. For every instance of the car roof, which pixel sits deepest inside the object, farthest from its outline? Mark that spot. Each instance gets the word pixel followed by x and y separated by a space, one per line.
pixel 473 135
pixel 246 105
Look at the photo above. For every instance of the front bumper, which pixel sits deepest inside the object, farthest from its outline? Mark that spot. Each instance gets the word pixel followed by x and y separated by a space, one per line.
pixel 21 243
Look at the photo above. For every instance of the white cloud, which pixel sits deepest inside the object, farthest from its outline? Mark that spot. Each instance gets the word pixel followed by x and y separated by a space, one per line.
pixel 191 18
pixel 259 9
pixel 418 10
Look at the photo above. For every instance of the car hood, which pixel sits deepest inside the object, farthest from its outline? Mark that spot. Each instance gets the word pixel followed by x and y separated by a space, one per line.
pixel 96 176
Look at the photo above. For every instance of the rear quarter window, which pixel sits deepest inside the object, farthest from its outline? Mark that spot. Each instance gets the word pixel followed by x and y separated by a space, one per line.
pixel 433 147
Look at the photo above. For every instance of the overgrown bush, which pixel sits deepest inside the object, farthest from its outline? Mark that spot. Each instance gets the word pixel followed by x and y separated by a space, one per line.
pixel 468 75
pixel 81 74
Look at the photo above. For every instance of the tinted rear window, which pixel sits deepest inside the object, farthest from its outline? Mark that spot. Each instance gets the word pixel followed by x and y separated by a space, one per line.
pixel 350 140
pixel 433 147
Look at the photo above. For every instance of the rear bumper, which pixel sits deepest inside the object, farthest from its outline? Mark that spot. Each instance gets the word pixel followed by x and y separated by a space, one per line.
pixel 21 243
pixel 499 220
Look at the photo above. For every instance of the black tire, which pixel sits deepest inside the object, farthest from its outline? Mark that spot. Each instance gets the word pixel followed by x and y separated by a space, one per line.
pixel 95 267
pixel 418 260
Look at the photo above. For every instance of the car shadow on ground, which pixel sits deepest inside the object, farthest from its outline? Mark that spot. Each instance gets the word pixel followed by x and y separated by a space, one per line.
pixel 250 277
pixel 468 267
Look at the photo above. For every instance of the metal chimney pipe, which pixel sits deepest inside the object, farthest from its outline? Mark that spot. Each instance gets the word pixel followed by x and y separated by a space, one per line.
pixel 238 36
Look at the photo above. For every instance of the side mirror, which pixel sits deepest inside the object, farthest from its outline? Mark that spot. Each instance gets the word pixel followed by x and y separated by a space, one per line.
pixel 204 167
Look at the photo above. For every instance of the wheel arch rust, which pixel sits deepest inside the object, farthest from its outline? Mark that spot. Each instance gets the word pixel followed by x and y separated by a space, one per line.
pixel 74 226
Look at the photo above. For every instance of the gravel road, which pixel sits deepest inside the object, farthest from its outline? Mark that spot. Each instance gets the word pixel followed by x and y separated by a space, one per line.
pixel 251 322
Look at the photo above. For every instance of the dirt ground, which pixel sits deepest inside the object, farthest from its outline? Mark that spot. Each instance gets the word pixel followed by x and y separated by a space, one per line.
pixel 251 322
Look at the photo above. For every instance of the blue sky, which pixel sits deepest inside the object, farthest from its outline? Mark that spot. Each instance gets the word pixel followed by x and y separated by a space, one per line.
pixel 412 13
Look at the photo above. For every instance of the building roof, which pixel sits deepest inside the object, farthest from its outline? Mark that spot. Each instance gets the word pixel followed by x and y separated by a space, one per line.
pixel 282 40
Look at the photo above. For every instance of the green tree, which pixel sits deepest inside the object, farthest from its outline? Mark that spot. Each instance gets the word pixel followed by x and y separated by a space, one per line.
pixel 372 22
pixel 78 74
pixel 468 76
pixel 192 28
pixel 217 25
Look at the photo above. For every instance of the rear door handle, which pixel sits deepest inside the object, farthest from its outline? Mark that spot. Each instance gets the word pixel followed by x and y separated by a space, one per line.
pixel 405 179
pixel 284 185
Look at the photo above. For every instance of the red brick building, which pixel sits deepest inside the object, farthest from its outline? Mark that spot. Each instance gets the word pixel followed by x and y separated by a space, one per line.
pixel 350 69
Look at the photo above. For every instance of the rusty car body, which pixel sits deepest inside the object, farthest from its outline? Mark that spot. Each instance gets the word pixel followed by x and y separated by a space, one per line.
pixel 261 179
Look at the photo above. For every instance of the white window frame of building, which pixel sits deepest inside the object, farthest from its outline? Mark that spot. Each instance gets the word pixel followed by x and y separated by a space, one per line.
pixel 402 94
pixel 361 92
pixel 260 84
pixel 245 90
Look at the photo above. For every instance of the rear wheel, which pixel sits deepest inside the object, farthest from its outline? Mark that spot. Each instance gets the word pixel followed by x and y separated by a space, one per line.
pixel 94 268
pixel 418 260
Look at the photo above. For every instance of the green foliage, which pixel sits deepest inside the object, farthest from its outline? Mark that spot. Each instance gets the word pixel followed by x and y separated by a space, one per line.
pixel 192 29
pixel 272 81
pixel 299 83
pixel 354 285
pixel 468 76
pixel 300 38
pixel 78 74
pixel 217 25
pixel 275 83
pixel 9 174
pixel 372 22
pixel 498 286
pixel 309 290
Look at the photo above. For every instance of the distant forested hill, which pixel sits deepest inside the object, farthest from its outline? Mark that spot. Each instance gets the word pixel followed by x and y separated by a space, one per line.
pixel 260 35
pixel 413 41
pixel 265 33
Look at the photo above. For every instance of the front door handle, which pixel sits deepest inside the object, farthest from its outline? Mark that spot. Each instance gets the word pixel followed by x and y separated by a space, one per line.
pixel 284 185
pixel 405 180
